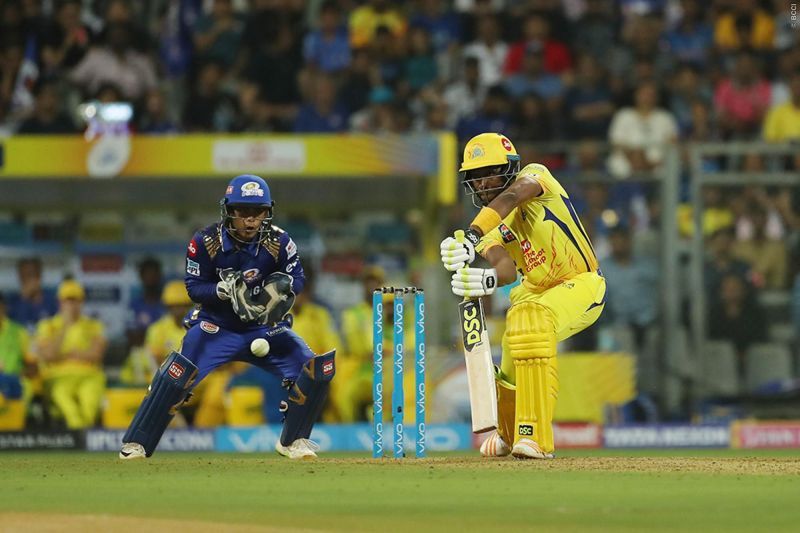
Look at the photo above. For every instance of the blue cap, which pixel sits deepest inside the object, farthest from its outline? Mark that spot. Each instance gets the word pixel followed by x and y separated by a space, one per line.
pixel 247 189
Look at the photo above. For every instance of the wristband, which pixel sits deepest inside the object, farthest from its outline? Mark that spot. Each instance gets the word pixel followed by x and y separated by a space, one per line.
pixel 487 219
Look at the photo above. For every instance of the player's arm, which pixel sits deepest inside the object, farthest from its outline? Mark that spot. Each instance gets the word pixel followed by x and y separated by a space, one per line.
pixel 201 279
pixel 289 262
pixel 502 263
pixel 521 191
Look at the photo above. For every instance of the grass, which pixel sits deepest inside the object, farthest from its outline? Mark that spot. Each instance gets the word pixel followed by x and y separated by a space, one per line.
pixel 707 490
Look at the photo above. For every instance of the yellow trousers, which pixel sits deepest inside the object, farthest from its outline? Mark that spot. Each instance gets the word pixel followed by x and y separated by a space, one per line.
pixel 77 393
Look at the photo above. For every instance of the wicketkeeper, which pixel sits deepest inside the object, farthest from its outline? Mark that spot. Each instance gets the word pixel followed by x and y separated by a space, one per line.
pixel 244 273
pixel 527 226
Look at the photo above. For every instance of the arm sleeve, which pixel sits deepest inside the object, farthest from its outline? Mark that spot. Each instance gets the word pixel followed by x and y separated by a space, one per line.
pixel 201 278
pixel 289 262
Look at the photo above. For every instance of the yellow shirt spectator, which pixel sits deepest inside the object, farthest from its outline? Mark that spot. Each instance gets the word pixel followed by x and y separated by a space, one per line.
pixel 315 325
pixel 762 32
pixel 366 19
pixel 782 123
pixel 71 347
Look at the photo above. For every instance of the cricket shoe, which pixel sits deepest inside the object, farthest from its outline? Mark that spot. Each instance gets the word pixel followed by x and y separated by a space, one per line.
pixel 299 449
pixel 529 449
pixel 132 450
pixel 495 446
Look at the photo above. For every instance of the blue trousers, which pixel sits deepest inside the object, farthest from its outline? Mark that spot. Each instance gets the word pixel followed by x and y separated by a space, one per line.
pixel 209 346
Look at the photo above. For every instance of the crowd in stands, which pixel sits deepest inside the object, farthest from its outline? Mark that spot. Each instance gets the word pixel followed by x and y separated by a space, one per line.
pixel 636 76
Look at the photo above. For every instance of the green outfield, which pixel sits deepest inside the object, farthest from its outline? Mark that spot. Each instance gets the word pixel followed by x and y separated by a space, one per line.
pixel 587 491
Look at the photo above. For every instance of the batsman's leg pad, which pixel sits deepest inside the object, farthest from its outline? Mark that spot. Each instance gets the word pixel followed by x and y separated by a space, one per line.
pixel 169 389
pixel 532 345
pixel 506 400
pixel 307 397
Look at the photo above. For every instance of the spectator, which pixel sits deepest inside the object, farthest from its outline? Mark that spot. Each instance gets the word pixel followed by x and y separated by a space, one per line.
pixel 71 346
pixel 639 56
pixel 640 135
pixel 365 20
pixel 734 314
pixel 533 78
pixel 218 35
pixel 155 119
pixel 388 53
pixel 493 116
pixel 352 394
pixel 532 122
pixel 420 66
pixel 162 336
pixel 783 121
pixel 742 99
pixel 589 105
pixel 274 67
pixel 722 262
pixel 745 26
pixel 16 360
pixel 556 58
pixel 378 116
pixel 596 30
pixel 67 39
pixel 33 302
pixel 686 88
pixel 465 96
pixel 489 49
pixel 357 85
pixel 441 23
pixel 766 255
pixel 328 47
pixel 146 307
pixel 631 279
pixel 209 107
pixel 117 62
pixel 323 113
pixel 47 117
pixel 795 302
pixel 691 40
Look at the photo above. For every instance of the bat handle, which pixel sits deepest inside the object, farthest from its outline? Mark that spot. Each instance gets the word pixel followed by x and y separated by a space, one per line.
pixel 459 234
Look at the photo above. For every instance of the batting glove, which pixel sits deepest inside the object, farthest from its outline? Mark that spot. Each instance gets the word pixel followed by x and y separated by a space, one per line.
pixel 458 254
pixel 474 282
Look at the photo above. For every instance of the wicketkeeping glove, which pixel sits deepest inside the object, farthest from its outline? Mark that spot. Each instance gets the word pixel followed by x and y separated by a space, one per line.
pixel 458 253
pixel 232 287
pixel 474 282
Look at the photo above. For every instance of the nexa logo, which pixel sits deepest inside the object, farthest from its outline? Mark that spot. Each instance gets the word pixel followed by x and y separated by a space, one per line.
pixel 471 325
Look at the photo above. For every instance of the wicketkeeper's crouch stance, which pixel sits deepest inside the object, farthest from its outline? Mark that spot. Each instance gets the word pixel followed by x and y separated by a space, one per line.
pixel 244 273
pixel 527 225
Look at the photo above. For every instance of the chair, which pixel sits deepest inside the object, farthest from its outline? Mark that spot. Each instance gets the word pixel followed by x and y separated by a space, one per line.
pixel 767 363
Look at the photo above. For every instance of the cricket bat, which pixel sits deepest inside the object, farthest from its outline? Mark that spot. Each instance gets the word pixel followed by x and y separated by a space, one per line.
pixel 478 356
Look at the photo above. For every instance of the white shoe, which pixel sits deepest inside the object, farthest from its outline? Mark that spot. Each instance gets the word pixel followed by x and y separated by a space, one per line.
pixel 495 446
pixel 132 450
pixel 529 449
pixel 299 449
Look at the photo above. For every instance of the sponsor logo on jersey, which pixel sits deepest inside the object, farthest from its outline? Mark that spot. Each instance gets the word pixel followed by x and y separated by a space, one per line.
pixel 208 327
pixel 506 233
pixel 175 370
pixel 251 274
pixel 291 249
pixel 192 248
pixel 471 324
pixel 252 188
pixel 506 143
pixel 192 267
pixel 533 258
pixel 327 368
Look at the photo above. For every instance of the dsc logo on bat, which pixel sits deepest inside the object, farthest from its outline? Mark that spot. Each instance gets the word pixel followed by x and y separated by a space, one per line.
pixel 471 324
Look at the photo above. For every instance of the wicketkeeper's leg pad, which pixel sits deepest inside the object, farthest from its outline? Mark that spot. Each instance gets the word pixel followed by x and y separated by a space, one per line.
pixel 169 389
pixel 506 406
pixel 307 397
pixel 532 346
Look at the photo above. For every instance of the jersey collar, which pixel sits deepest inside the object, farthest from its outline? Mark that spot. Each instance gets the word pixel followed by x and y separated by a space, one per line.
pixel 230 245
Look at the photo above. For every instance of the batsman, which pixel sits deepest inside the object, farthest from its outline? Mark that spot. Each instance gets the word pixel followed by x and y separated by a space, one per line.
pixel 527 226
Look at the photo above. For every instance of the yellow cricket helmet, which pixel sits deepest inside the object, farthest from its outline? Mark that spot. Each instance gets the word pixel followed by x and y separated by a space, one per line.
pixel 495 153
pixel 174 294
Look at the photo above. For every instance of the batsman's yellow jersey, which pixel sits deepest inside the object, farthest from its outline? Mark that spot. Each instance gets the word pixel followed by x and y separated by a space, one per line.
pixel 544 236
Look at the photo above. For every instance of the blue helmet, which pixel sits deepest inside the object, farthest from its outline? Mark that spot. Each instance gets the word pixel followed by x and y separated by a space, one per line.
pixel 247 190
